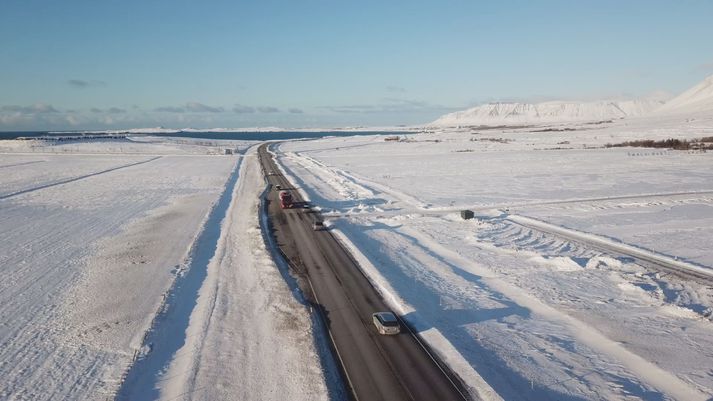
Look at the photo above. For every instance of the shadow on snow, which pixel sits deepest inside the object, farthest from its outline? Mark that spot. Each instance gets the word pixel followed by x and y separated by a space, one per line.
pixel 168 330
pixel 451 323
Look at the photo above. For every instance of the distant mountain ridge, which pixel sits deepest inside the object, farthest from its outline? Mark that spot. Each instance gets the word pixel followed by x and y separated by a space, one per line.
pixel 548 112
pixel 697 100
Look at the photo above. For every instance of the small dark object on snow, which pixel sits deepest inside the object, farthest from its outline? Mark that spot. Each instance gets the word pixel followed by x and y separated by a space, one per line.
pixel 467 214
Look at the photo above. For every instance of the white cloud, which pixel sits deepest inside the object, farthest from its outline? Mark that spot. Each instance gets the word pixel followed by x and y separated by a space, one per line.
pixel 239 109
pixel 81 83
pixel 202 108
pixel 38 108
pixel 268 109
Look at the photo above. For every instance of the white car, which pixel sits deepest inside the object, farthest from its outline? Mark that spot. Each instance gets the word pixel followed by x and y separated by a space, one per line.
pixel 386 323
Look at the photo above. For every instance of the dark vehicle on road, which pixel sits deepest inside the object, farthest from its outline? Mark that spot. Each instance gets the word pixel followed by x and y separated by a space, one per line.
pixel 285 200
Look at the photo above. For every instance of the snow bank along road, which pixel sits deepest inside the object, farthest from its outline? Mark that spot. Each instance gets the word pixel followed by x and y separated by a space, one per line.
pixel 230 328
pixel 376 367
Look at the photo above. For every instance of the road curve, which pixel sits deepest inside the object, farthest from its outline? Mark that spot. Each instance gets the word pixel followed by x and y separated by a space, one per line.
pixel 375 367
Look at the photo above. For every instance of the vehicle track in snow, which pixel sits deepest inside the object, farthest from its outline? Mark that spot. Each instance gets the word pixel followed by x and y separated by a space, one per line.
pixel 21 164
pixel 440 211
pixel 644 257
pixel 84 265
pixel 73 179
pixel 364 193
pixel 584 331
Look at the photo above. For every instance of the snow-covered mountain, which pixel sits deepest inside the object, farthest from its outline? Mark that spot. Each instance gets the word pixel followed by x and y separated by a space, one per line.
pixel 698 99
pixel 495 114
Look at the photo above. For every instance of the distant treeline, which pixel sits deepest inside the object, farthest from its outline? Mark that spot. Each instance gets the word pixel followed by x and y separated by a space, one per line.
pixel 677 144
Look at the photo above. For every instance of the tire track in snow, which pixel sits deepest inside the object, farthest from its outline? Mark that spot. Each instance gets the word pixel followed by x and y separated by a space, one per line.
pixel 168 330
pixel 81 177
pixel 663 262
pixel 378 187
pixel 647 371
pixel 351 186
pixel 441 211
pixel 34 336
pixel 341 184
pixel 21 164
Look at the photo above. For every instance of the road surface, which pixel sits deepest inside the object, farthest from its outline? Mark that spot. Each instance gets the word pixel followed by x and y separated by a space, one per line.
pixel 375 367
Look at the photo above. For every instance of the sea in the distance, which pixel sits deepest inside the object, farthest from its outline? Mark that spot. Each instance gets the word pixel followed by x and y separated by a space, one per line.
pixel 244 136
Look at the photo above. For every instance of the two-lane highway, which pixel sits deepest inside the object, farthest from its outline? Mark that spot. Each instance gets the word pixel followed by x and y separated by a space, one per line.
pixel 376 367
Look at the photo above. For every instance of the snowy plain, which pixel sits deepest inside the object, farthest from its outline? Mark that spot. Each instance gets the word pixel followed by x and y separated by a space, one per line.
pixel 98 237
pixel 520 313
pixel 108 248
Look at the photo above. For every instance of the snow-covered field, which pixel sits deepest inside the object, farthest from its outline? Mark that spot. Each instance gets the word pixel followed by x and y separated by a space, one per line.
pixel 97 239
pixel 137 267
pixel 522 314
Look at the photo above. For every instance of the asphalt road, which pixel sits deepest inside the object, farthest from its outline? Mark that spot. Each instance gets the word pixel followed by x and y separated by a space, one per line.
pixel 376 367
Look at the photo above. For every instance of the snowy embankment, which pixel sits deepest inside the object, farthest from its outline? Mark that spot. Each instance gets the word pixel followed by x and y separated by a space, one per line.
pixel 91 242
pixel 247 337
pixel 532 314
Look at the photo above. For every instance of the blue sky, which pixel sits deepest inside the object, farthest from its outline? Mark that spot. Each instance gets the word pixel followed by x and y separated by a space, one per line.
pixel 87 64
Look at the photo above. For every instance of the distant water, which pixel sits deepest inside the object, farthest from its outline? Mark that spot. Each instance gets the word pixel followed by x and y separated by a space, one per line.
pixel 245 136
pixel 13 135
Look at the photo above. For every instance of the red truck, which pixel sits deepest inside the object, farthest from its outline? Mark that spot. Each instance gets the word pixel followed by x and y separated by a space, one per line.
pixel 285 200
